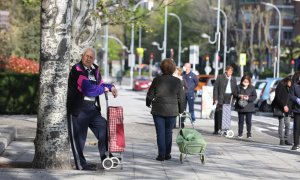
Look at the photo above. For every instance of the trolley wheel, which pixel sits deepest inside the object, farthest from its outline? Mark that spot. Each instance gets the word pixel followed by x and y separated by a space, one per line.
pixel 116 162
pixel 107 163
pixel 203 159
pixel 181 158
pixel 229 133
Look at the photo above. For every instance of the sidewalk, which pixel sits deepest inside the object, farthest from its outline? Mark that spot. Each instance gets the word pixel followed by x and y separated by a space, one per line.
pixel 257 158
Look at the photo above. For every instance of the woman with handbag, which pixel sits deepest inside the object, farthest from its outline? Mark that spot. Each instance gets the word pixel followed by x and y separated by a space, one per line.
pixel 245 105
pixel 282 109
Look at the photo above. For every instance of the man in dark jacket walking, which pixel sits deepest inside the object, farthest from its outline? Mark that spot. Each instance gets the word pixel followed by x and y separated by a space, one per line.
pixel 190 82
pixel 224 88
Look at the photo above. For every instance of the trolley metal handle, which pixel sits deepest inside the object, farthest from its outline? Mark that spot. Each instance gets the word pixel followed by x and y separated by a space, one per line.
pixel 106 96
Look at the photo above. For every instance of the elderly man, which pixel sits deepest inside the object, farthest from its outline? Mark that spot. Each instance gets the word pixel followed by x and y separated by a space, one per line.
pixel 225 88
pixel 190 82
pixel 84 87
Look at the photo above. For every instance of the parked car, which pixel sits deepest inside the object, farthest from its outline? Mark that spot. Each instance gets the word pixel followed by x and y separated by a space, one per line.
pixel 264 103
pixel 141 84
pixel 202 81
pixel 259 86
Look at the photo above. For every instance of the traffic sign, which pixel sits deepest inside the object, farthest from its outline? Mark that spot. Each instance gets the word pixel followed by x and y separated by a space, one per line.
pixel 243 59
pixel 194 54
pixel 131 60
pixel 140 51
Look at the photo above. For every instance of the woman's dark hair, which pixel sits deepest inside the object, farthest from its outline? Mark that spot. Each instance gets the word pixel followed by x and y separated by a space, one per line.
pixel 245 77
pixel 167 66
pixel 295 77
pixel 286 80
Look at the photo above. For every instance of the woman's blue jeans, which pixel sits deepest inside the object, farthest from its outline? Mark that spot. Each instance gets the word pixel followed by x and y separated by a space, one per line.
pixel 164 130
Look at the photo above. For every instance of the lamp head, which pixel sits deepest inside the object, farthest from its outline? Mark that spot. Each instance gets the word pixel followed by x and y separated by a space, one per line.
pixel 204 35
pixel 154 43
pixel 150 5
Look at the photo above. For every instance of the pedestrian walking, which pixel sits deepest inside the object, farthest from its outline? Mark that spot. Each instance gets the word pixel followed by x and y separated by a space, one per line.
pixel 295 97
pixel 166 99
pixel 245 105
pixel 84 87
pixel 178 74
pixel 225 88
pixel 282 106
pixel 190 82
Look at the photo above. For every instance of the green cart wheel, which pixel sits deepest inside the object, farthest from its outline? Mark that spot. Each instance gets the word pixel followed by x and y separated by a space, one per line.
pixel 203 159
pixel 181 158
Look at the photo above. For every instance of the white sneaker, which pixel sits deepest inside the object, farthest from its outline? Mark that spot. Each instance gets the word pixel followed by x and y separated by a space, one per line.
pixel 240 137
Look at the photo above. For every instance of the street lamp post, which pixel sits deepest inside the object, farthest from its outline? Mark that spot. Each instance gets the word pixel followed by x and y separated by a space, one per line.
pixel 217 38
pixel 179 38
pixel 225 38
pixel 165 31
pixel 132 56
pixel 122 45
pixel 154 43
pixel 279 33
pixel 105 56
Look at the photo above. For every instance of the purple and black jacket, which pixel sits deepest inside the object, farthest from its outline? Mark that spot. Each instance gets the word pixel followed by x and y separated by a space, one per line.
pixel 80 86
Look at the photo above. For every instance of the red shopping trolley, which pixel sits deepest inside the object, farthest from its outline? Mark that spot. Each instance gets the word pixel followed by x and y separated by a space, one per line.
pixel 116 136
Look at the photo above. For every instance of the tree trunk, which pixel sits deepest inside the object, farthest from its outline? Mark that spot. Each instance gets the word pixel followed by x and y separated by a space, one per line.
pixel 65 31
pixel 84 28
pixel 52 150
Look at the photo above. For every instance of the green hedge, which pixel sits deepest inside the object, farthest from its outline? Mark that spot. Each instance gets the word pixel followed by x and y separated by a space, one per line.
pixel 18 93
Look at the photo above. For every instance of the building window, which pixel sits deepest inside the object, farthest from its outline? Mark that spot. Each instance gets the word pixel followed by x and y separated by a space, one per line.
pixel 248 1
pixel 287 35
pixel 4 19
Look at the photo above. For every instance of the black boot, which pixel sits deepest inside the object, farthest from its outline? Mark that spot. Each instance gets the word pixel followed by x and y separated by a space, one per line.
pixel 287 143
pixel 281 142
pixel 160 158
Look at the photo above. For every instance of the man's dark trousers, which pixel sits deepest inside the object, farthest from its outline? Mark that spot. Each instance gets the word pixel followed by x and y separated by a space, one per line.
pixel 218 113
pixel 89 117
pixel 190 100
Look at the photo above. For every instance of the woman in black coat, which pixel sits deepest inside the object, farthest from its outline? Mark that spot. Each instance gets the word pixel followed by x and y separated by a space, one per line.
pixel 167 99
pixel 283 104
pixel 295 96
pixel 247 93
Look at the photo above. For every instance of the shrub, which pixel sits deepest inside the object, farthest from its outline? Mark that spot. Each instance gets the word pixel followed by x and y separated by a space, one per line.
pixel 21 65
pixel 18 93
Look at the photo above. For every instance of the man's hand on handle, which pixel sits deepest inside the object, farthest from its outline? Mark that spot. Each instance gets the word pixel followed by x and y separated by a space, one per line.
pixel 114 92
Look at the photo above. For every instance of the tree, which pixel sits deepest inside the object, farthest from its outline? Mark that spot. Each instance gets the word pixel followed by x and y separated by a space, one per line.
pixel 67 26
pixel 22 38
pixel 51 141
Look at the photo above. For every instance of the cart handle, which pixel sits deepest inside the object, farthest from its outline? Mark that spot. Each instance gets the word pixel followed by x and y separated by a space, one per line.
pixel 106 96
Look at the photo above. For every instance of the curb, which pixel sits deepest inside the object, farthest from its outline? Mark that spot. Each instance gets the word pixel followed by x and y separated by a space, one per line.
pixel 7 135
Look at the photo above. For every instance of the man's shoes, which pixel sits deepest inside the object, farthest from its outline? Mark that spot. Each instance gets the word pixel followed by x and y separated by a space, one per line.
pixel 215 133
pixel 240 136
pixel 160 158
pixel 288 143
pixel 168 157
pixel 249 135
pixel 295 147
pixel 88 167
pixel 103 157
pixel 281 142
